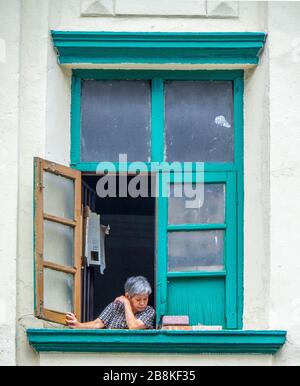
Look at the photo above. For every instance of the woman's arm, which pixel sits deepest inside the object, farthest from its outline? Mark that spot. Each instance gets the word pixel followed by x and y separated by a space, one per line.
pixel 72 322
pixel 132 322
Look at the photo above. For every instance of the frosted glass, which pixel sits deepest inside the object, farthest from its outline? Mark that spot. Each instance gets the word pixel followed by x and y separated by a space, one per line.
pixel 58 243
pixel 58 195
pixel 58 291
pixel 211 211
pixel 115 119
pixel 196 251
pixel 199 121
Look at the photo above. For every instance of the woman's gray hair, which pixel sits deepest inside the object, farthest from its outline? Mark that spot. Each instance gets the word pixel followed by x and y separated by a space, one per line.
pixel 137 285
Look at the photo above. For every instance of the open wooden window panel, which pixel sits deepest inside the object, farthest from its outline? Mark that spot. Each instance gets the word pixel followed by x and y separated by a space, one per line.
pixel 66 280
pixel 58 241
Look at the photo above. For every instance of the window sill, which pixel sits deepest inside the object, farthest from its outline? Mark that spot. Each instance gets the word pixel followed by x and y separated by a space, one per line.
pixel 157 341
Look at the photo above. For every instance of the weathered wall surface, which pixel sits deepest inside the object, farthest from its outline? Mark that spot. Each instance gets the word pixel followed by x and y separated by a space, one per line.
pixel 9 118
pixel 110 359
pixel 256 191
pixel 33 108
pixel 271 139
pixel 245 16
pixel 284 297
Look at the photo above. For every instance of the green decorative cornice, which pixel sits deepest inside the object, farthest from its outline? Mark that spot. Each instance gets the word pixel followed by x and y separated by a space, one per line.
pixel 158 47
pixel 157 341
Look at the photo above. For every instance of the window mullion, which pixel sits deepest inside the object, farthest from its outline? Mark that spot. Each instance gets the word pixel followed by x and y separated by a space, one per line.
pixel 231 253
pixel 75 121
pixel 161 240
pixel 59 267
pixel 59 220
pixel 157 140
pixel 195 227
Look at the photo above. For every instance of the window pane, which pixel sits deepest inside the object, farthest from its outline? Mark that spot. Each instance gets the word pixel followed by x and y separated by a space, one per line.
pixel 115 119
pixel 212 201
pixel 196 251
pixel 199 121
pixel 58 195
pixel 58 291
pixel 58 243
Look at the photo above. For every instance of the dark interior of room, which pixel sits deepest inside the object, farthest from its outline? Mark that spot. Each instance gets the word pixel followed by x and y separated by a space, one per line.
pixel 129 247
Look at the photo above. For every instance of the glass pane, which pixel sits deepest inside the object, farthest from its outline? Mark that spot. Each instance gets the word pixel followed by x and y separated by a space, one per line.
pixel 58 291
pixel 58 243
pixel 196 251
pixel 58 195
pixel 208 209
pixel 199 121
pixel 115 119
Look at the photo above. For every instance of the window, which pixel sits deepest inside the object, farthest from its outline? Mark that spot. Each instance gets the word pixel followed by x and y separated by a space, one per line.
pixel 193 255
pixel 199 121
pixel 201 268
pixel 119 101
pixel 57 241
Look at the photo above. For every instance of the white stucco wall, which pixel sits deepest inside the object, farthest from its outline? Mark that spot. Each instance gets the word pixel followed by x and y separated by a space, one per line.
pixel 271 138
pixel 256 191
pixel 9 119
pixel 128 359
pixel 33 108
pixel 250 18
pixel 284 307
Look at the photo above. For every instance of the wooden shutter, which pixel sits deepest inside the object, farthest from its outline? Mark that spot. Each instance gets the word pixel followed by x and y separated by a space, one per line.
pixel 58 241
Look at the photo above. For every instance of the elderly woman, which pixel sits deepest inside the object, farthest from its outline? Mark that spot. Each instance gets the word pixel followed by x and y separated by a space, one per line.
pixel 130 311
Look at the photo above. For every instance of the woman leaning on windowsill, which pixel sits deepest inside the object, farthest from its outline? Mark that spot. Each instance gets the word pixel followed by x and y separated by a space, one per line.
pixel 129 311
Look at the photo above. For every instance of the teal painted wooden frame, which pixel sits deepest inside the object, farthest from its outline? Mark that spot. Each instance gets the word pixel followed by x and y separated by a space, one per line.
pixel 234 290
pixel 230 247
pixel 157 341
pixel 240 48
pixel 157 78
pixel 80 47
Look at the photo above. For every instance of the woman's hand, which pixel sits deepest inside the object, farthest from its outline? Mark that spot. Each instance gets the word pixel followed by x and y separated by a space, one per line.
pixel 122 299
pixel 72 321
pixel 132 322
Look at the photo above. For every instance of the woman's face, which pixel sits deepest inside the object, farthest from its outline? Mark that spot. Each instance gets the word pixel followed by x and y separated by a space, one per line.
pixel 139 302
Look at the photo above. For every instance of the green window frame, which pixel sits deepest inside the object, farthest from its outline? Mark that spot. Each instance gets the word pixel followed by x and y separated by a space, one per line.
pixel 210 281
pixel 229 173
pixel 241 49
